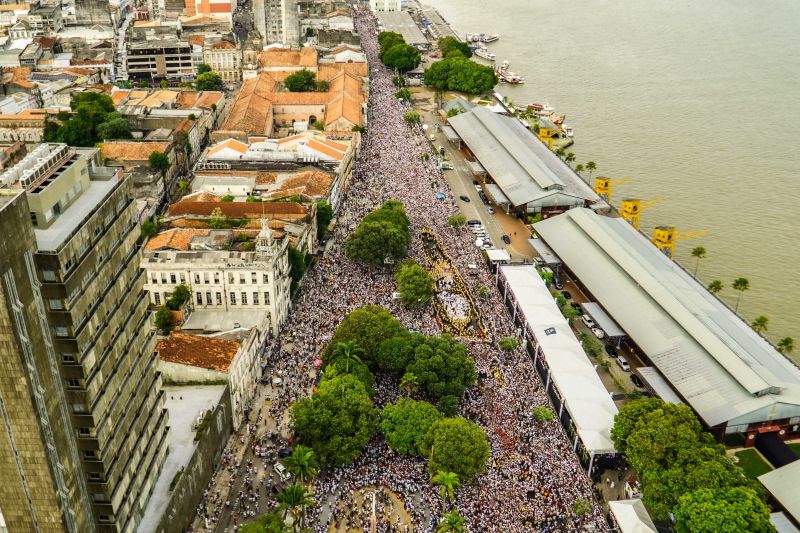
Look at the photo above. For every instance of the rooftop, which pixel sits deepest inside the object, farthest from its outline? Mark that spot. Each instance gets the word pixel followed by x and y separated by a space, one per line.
pixel 402 23
pixel 289 57
pixel 782 483
pixel 713 358
pixel 132 150
pixel 218 321
pixel 236 209
pixel 195 350
pixel 174 239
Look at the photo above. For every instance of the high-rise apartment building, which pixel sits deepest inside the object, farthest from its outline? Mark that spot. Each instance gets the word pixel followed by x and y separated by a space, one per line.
pixel 82 424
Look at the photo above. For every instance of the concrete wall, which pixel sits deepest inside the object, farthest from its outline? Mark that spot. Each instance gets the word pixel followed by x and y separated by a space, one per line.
pixel 178 373
pixel 188 490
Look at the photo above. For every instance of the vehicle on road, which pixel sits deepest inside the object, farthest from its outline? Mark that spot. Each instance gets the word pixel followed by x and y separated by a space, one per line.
pixel 623 364
pixel 477 229
pixel 464 198
pixel 599 333
pixel 473 222
pixel 611 350
pixel 637 381
pixel 487 245
pixel 478 187
pixel 538 261
pixel 490 210
pixel 566 295
pixel 446 165
pixel 506 239
pixel 547 270
pixel 282 472
pixel 576 306
pixel 588 322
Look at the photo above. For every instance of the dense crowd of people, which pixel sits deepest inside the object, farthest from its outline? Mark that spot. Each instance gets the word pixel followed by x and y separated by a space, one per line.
pixel 533 476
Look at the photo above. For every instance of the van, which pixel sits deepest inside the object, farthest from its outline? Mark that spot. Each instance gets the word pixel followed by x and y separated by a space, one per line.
pixel 623 364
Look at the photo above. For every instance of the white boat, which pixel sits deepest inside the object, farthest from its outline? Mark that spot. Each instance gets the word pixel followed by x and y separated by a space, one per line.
pixel 568 130
pixel 484 53
pixel 481 38
pixel 506 76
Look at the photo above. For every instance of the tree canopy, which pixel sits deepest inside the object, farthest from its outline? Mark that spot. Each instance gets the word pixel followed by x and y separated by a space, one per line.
pixel 451 44
pixel 722 511
pixel 386 40
pixel 456 445
pixel 401 56
pixel 368 326
pixel 396 353
pixel 202 68
pixel 271 522
pixel 302 81
pixel 382 235
pixel 405 424
pixel 324 217
pixel 159 161
pixel 414 284
pixel 208 81
pixel 337 421
pixel 94 119
pixel 443 370
pixel 460 74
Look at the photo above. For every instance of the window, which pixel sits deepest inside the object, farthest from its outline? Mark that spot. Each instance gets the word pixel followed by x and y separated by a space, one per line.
pixel 67 357
pixel 216 277
pixel 197 278
pixel 55 305
pixel 163 277
pixel 61 331
pixel 154 278
pixel 84 432
pixel 157 298
pixel 265 279
pixel 255 298
pixel 95 476
pixel 266 298
pixel 253 278
pixel 199 297
pixel 105 518
pixel 78 408
pixel 91 454
pixel 244 298
pixel 219 298
pixel 241 279
pixel 73 383
pixel 172 278
pixel 208 298
pixel 48 275
pixel 233 298
pixel 182 277
pixel 205 278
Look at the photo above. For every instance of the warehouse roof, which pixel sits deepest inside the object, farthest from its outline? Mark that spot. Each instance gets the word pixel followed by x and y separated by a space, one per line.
pixel 521 166
pixel 719 365
pixel 402 23
pixel 782 484
pixel 586 399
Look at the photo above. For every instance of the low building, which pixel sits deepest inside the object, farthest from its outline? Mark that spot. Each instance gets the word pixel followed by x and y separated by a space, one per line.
pixel 149 109
pixel 781 484
pixel 385 5
pixel 225 274
pixel 402 23
pixel 162 59
pixel 134 158
pixel 26 126
pixel 45 19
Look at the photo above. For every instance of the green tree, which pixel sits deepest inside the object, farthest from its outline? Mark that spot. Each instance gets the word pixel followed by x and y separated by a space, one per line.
pixel 508 343
pixel 396 353
pixel 453 112
pixel 403 94
pixel 591 166
pixel 324 217
pixel 728 510
pixel 298 264
pixel 570 313
pixel 698 252
pixel 227 198
pixel 89 112
pixel 208 81
pixel 483 293
pixel 414 284
pixel 715 286
pixel 741 285
pixel 569 158
pixel 337 421
pixel 387 40
pixel 357 369
pixel 452 522
pixel 159 161
pixel 444 370
pixel 448 483
pixel 271 522
pixel 412 117
pixel 560 152
pixel 322 86
pixel 302 464
pixel 217 220
pixel 114 128
pixel 294 499
pixel 543 414
pixel 456 445
pixel 402 57
pixel 457 221
pixel 302 81
pixel 405 424
pixel 786 345
pixel 180 295
pixel 368 326
pixel 579 168
pixel 409 383
pixel 377 242
pixel 460 74
pixel 148 229
pixel 202 68
pixel 581 507
pixel 163 319
pixel 347 352
pixel 760 324
pixel 450 43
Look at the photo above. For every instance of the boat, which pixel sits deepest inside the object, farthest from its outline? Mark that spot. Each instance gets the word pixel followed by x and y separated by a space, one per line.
pixel 567 130
pixel 484 53
pixel 481 38
pixel 506 76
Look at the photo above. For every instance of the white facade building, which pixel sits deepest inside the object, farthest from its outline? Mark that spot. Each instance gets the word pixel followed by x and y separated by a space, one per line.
pixel 385 5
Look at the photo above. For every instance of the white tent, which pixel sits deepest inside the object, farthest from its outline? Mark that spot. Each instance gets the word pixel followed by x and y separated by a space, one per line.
pixel 632 517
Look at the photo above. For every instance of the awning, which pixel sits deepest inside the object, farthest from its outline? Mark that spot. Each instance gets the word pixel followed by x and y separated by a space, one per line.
pixel 605 322
pixel 496 194
pixel 476 167
pixel 658 384
pixel 451 134
pixel 498 255
pixel 545 252
pixel 631 516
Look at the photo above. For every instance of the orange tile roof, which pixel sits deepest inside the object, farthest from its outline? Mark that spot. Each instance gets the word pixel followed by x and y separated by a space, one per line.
pixel 196 39
pixel 19 76
pixel 119 96
pixel 132 150
pixel 201 196
pixel 252 110
pixel 193 350
pixel 231 144
pixel 288 57
pixel 287 98
pixel 14 7
pixel 30 114
pixel 326 149
pixel 174 239
pixel 236 209
pixel 223 45
pixel 309 182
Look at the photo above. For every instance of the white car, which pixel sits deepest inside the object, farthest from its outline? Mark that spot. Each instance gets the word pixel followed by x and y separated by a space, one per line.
pixel 599 333
pixel 490 210
pixel 282 472
pixel 588 322
pixel 487 245
pixel 433 138
pixel 478 188
pixel 479 242
pixel 478 229
pixel 547 270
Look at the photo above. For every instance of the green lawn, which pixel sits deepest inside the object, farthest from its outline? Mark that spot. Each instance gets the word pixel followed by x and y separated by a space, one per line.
pixel 795 446
pixel 752 463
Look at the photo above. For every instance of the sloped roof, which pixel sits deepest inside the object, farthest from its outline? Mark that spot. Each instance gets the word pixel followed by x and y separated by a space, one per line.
pixel 236 209
pixel 252 110
pixel 288 57
pixel 228 144
pixel 782 484
pixel 632 517
pixel 193 350
pixel 173 239
pixel 132 150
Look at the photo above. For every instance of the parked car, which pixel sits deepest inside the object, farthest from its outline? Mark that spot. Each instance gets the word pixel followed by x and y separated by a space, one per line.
pixel 464 198
pixel 285 452
pixel 547 270
pixel 611 350
pixel 623 364
pixel 576 306
pixel 478 187
pixel 473 222
pixel 506 239
pixel 558 283
pixel 282 472
pixel 538 261
pixel 477 229
pixel 490 210
pixel 599 333
pixel 637 381
pixel 588 322
pixel 566 295
pixel 487 245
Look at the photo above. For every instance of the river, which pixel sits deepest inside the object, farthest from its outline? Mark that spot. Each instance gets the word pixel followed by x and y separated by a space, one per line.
pixel 697 103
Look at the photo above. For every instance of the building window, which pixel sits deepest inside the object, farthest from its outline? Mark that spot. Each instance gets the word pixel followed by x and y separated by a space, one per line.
pixel 157 298
pixel 172 278
pixel 266 279
pixel 197 278
pixel 61 331
pixel 255 298
pixel 182 277
pixel 95 476
pixel 154 278
pixel 55 305
pixel 244 298
pixel 208 298
pixel 205 278
pixel 105 518
pixel 73 383
pixel 241 279
pixel 199 296
pixel 163 277
pixel 266 298
pixel 67 357
pixel 84 432
pixel 78 408
pixel 253 278
pixel 233 298
pixel 48 275
pixel 219 298
pixel 216 277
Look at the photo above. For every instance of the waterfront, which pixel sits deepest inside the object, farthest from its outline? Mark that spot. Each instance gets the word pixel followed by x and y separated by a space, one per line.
pixel 694 103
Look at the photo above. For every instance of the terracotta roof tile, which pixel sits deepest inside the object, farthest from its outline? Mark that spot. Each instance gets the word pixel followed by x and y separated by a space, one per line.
pixel 230 144
pixel 132 150
pixel 173 239
pixel 288 57
pixel 194 350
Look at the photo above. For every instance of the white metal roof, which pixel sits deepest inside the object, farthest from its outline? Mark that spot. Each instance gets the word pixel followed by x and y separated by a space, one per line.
pixel 659 385
pixel 587 400
pixel 782 483
pixel 782 524
pixel 544 251
pixel 726 371
pixel 497 254
pixel 632 517
pixel 602 319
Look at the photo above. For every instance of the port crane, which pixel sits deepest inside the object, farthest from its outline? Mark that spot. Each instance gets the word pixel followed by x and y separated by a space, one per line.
pixel 631 209
pixel 665 237
pixel 603 186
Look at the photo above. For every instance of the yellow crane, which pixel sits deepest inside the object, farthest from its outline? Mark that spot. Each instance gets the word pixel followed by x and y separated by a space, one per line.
pixel 603 186
pixel 631 208
pixel 665 237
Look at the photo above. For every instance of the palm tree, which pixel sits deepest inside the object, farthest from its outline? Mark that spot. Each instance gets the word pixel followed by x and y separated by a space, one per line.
pixel 698 252
pixel 569 158
pixel 294 499
pixel 741 285
pixel 578 168
pixel 348 352
pixel 591 167
pixel 715 286
pixel 760 323
pixel 452 523
pixel 302 463
pixel 409 382
pixel 786 345
pixel 560 153
pixel 448 482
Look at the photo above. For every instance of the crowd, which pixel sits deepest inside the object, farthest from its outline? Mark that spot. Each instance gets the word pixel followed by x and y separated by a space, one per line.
pixel 533 477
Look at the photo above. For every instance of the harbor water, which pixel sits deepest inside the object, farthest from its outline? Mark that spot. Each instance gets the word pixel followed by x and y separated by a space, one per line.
pixel 697 103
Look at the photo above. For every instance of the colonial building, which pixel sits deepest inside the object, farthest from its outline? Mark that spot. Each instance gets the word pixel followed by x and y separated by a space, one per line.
pixel 164 59
pixel 224 58
pixel 26 126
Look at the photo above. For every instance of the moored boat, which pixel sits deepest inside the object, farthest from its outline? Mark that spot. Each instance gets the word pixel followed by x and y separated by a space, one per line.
pixel 481 38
